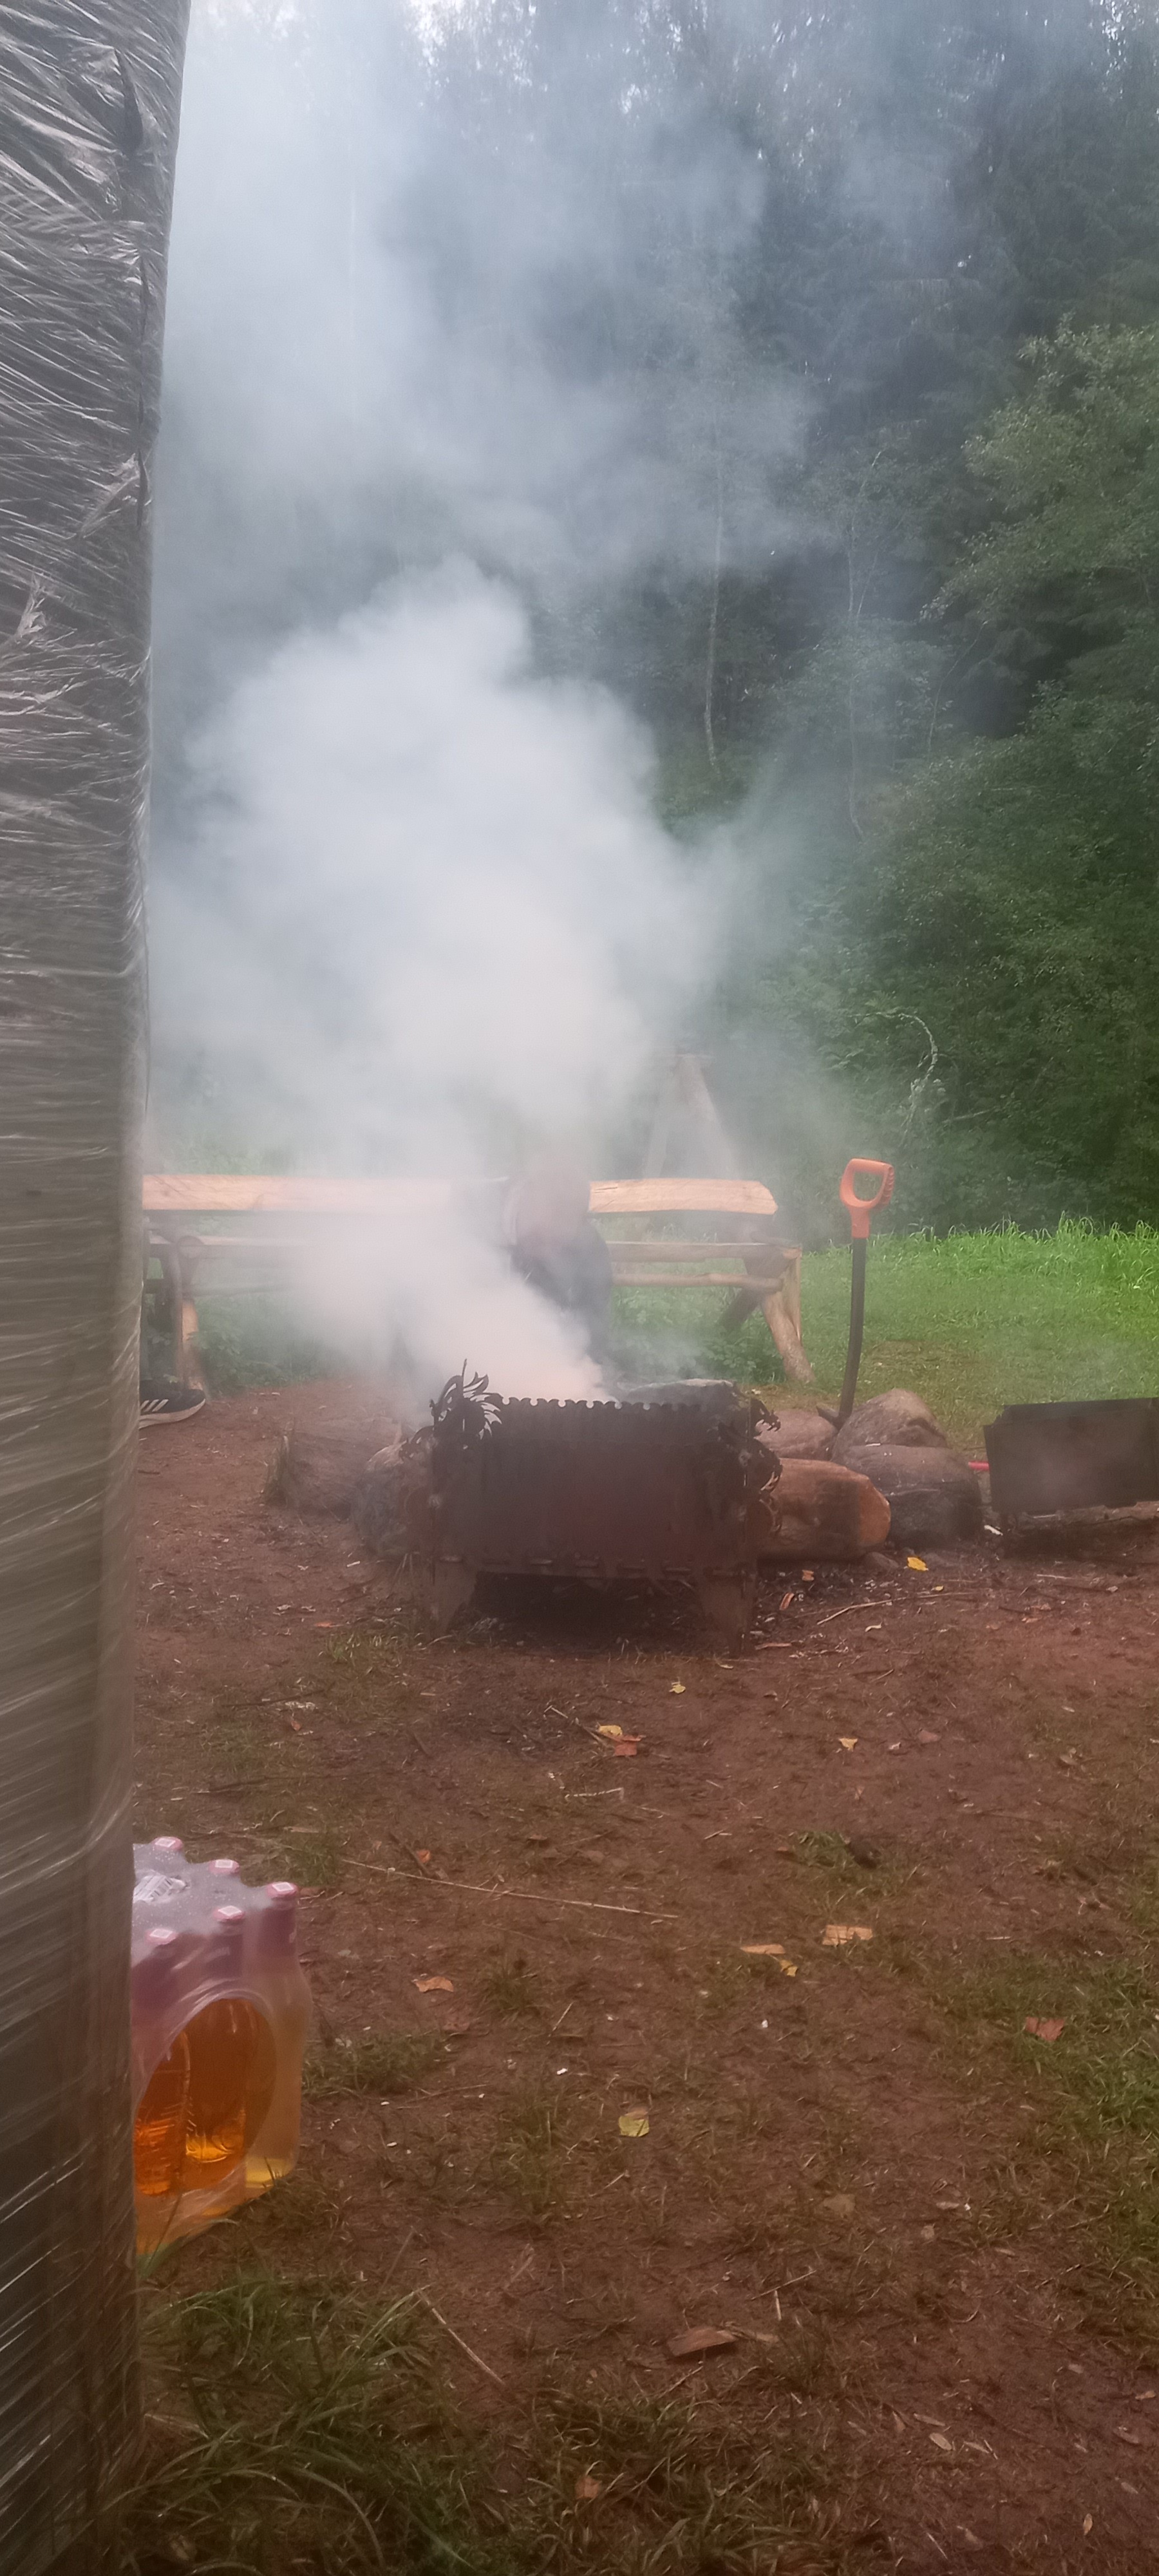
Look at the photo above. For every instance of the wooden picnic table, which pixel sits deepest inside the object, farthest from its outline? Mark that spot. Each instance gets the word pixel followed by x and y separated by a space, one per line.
pixel 761 1271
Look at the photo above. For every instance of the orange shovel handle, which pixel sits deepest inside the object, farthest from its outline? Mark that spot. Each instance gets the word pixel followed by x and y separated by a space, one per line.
pixel 861 1210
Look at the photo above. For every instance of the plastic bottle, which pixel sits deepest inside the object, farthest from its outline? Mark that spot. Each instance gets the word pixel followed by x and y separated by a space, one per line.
pixel 221 2009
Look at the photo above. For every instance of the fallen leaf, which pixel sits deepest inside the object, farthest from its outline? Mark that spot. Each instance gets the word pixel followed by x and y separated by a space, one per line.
pixel 677 1689
pixel 586 2490
pixel 941 2442
pixel 840 2204
pixel 763 1949
pixel 323 1623
pixel 296 1723
pixel 1043 2029
pixel 613 1733
pixel 971 2538
pixel 434 1985
pixel 848 1743
pixel 894 1748
pixel 917 1565
pixel 928 1735
pixel 787 1968
pixel 1088 2525
pixel 684 2347
pixel 1125 2434
pixel 836 1935
pixel 787 1602
pixel 634 2124
pixel 422 1858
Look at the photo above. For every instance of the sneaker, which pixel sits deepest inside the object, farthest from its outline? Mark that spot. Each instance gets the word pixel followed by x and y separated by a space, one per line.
pixel 164 1400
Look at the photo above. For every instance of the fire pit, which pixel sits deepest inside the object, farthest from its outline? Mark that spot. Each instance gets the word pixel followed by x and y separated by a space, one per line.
pixel 661 1492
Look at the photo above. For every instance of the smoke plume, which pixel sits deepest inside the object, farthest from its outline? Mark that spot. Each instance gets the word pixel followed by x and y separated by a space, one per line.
pixel 440 369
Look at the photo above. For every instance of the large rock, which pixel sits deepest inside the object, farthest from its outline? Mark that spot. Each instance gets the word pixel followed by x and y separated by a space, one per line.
pixel 824 1511
pixel 898 1420
pixel 391 1506
pixel 798 1434
pixel 933 1494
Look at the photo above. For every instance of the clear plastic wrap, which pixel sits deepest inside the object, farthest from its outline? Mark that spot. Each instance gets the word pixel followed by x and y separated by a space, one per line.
pixel 89 93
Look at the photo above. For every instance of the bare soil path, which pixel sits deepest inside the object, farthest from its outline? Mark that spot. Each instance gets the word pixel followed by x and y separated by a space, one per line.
pixel 934 2237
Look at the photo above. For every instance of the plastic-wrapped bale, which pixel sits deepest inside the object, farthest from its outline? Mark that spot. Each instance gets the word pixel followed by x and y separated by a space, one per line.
pixel 220 2014
pixel 90 103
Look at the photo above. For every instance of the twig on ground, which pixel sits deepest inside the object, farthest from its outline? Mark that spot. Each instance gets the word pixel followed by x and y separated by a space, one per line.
pixel 524 1895
pixel 471 2354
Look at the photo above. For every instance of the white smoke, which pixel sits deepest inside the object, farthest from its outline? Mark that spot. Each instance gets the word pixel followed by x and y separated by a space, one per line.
pixel 412 907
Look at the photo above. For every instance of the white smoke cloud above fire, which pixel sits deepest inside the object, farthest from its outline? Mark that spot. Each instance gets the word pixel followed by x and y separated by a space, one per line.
pixel 412 908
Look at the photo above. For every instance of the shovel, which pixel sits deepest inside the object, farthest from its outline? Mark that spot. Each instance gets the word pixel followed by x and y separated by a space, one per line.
pixel 860 1212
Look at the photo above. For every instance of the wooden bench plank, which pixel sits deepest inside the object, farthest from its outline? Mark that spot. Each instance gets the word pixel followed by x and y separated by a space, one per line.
pixel 681 1197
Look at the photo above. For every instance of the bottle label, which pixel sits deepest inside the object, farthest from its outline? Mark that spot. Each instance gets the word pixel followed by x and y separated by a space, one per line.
pixel 154 1889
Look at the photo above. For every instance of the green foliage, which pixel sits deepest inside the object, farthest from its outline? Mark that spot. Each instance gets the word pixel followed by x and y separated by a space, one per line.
pixel 1009 908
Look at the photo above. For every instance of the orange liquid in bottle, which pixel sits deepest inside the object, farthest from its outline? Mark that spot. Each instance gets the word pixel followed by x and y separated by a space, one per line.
pixel 160 2125
pixel 231 2083
pixel 205 2102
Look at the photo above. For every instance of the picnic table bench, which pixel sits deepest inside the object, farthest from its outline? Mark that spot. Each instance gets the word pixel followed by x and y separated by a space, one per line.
pixel 282 1213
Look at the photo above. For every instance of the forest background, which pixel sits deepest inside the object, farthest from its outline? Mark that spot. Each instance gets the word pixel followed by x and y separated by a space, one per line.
pixel 927 715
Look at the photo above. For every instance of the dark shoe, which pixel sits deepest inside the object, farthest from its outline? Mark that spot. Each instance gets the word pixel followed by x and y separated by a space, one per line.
pixel 163 1400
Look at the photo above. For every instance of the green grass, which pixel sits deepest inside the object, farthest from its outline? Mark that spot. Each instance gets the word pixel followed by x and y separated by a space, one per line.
pixel 381 2062
pixel 312 1858
pixel 1085 2167
pixel 511 1989
pixel 293 2426
pixel 527 2162
pixel 969 1321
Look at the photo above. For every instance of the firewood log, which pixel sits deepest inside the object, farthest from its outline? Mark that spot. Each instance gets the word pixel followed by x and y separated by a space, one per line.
pixel 825 1511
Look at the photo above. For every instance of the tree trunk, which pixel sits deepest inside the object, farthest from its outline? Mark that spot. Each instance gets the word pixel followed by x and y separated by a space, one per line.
pixel 89 93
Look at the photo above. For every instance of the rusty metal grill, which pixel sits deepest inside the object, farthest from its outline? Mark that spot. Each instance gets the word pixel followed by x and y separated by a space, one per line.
pixel 609 1492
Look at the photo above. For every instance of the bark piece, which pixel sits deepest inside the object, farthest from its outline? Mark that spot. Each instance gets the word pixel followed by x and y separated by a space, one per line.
pixel 798 1434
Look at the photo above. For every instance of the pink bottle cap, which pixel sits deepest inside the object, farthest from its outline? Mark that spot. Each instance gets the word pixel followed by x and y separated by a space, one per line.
pixel 155 1971
pixel 168 1843
pixel 276 1923
pixel 227 1933
pixel 227 1868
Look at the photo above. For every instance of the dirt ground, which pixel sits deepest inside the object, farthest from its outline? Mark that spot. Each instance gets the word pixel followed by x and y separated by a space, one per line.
pixel 902 2207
